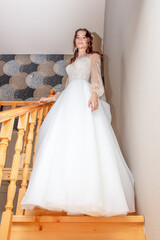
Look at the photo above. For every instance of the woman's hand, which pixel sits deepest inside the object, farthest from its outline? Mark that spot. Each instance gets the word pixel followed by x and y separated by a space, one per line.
pixel 93 101
pixel 45 99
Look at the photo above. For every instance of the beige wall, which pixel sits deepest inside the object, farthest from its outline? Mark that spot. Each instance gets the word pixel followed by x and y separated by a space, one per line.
pixel 46 26
pixel 132 73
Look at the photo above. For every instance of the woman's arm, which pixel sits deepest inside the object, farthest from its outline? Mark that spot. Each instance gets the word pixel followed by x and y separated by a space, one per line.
pixel 96 81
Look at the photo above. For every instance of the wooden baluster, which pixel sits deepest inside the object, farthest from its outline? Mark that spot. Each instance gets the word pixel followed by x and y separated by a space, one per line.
pixel 14 105
pixel 45 111
pixel 8 214
pixel 51 94
pixel 25 137
pixel 39 122
pixel 24 144
pixel 32 122
pixel 5 136
pixel 50 106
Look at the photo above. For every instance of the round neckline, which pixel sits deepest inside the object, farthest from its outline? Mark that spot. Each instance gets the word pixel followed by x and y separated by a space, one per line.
pixel 83 56
pixel 88 55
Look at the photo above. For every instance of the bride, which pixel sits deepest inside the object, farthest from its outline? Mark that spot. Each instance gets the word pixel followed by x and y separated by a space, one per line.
pixel 79 167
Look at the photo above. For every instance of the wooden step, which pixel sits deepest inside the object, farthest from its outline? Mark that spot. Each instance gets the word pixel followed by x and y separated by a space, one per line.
pixel 77 228
pixel 41 211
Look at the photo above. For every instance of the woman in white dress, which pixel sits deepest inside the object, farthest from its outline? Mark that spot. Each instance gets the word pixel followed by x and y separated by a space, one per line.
pixel 79 167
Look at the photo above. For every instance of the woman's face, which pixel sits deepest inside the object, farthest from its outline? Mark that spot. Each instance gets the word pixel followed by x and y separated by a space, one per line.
pixel 81 40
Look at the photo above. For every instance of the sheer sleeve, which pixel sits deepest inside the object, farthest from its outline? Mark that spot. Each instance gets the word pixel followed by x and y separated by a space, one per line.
pixel 55 97
pixel 96 79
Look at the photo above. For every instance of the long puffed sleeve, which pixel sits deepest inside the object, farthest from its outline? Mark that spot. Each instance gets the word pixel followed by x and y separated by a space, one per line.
pixel 96 79
pixel 55 97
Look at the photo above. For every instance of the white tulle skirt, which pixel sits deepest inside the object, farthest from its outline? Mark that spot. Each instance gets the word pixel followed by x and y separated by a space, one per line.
pixel 79 167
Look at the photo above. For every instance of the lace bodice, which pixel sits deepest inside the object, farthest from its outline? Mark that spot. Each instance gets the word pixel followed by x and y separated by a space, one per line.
pixel 87 68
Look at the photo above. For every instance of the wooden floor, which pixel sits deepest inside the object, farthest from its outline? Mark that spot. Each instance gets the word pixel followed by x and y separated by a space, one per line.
pixel 77 228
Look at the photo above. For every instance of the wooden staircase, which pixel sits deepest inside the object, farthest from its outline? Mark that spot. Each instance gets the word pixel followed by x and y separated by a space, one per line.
pixel 63 227
pixel 49 225
pixel 41 223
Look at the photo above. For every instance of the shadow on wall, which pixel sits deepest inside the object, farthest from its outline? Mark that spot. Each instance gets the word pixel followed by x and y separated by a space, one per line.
pixel 109 94
pixel 97 42
pixel 129 37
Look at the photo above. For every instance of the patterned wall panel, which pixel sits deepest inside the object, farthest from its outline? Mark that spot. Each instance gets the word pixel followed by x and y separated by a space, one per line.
pixel 30 77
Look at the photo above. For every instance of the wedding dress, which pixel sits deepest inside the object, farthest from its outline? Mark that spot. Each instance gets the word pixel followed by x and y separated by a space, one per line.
pixel 79 167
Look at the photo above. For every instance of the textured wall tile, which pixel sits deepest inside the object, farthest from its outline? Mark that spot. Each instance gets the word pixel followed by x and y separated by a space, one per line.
pixel 29 77
pixel 18 80
pixel 23 59
pixel 40 91
pixel 46 69
pixel 11 67
pixel 6 92
pixel 59 67
pixel 1 68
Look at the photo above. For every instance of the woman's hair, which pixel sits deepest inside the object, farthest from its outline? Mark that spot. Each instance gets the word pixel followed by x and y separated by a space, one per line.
pixel 89 49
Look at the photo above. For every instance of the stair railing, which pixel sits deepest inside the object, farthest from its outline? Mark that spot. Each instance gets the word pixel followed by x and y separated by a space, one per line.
pixel 28 117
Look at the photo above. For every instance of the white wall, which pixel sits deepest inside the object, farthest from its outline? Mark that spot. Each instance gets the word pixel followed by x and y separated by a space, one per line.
pixel 132 70
pixel 46 26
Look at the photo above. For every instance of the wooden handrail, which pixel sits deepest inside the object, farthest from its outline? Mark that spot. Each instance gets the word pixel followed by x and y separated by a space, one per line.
pixel 8 114
pixel 17 103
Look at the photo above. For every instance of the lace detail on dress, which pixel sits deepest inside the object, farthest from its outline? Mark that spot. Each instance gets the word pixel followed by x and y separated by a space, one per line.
pixel 96 79
pixel 87 68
